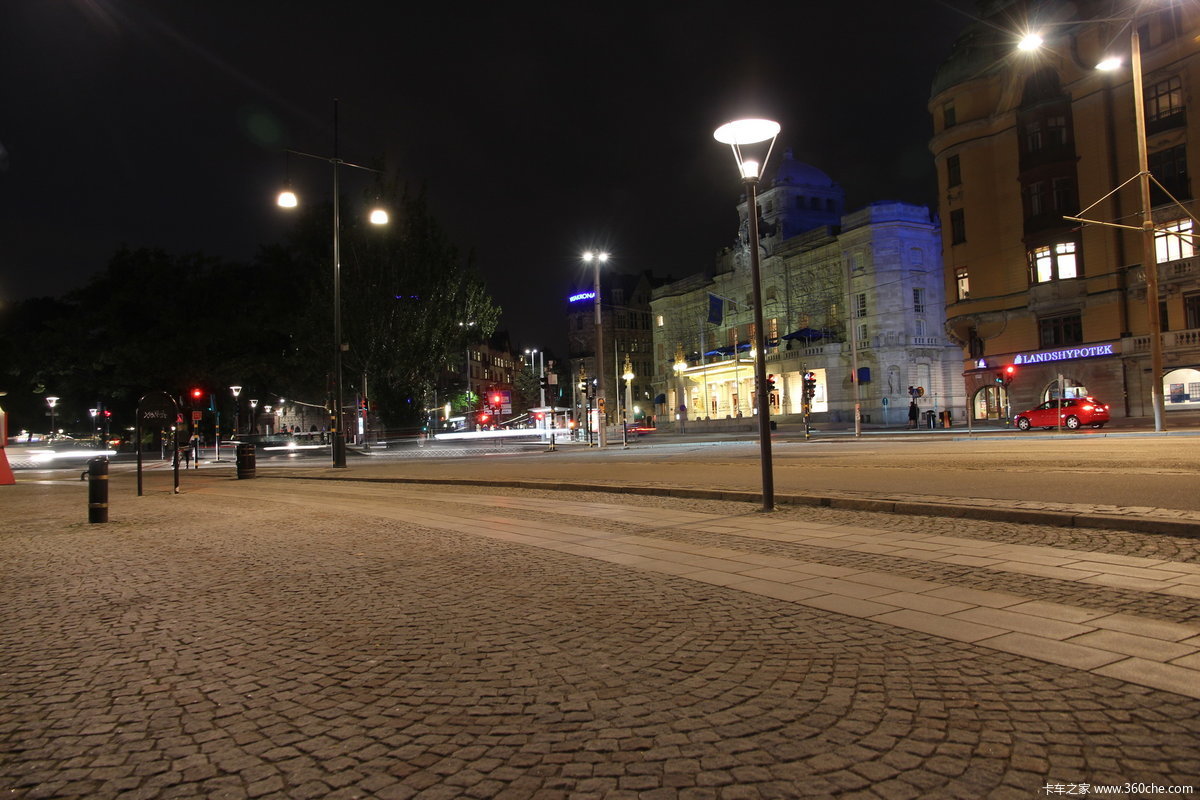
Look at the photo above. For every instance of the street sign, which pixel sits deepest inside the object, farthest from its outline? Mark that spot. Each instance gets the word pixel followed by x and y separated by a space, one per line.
pixel 197 415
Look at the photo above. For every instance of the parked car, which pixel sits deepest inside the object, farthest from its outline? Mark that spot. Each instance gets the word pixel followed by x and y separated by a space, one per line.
pixel 1074 411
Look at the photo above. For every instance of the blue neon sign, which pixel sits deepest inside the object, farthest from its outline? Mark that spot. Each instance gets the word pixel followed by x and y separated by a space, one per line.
pixel 579 298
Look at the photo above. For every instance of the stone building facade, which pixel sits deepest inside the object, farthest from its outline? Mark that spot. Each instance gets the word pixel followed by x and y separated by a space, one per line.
pixel 1024 139
pixel 840 291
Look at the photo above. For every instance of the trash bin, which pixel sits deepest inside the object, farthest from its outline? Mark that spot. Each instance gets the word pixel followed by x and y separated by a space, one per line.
pixel 245 460
pixel 930 419
pixel 773 426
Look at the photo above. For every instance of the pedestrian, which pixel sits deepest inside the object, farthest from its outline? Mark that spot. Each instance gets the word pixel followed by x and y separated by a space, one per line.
pixel 914 414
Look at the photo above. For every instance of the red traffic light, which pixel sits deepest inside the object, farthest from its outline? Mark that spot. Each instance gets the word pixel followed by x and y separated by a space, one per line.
pixel 484 417
pixel 1010 370
pixel 197 393
pixel 496 399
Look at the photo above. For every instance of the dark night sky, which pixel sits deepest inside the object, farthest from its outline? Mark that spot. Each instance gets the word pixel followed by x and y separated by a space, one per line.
pixel 540 129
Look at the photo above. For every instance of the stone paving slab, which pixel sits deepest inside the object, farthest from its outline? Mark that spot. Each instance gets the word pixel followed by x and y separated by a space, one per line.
pixel 285 639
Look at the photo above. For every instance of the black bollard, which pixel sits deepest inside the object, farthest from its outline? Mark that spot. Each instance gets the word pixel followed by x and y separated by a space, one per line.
pixel 98 489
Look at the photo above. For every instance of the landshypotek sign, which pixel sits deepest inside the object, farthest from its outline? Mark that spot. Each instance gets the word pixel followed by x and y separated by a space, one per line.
pixel 1067 354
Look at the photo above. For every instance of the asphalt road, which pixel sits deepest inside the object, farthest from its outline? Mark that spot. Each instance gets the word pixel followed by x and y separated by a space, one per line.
pixel 1123 470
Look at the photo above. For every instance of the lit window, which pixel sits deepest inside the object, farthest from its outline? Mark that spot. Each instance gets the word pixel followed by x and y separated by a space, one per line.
pixel 658 320
pixel 860 305
pixel 964 284
pixel 1053 263
pixel 1174 241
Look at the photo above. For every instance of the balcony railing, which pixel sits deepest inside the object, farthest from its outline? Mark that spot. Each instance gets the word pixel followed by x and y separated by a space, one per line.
pixel 1172 341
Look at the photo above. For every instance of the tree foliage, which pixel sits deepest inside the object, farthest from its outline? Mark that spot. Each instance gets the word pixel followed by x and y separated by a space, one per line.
pixel 151 321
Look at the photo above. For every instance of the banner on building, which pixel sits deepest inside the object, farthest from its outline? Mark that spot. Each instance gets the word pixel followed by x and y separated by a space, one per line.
pixel 716 309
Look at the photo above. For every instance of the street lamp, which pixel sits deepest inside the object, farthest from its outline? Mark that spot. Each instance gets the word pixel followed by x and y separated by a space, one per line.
pixel 287 199
pixel 736 134
pixel 236 408
pixel 628 376
pixel 252 426
pixel 1033 41
pixel 541 376
pixel 52 402
pixel 596 259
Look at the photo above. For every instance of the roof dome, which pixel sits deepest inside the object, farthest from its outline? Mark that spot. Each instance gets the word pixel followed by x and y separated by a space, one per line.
pixel 791 172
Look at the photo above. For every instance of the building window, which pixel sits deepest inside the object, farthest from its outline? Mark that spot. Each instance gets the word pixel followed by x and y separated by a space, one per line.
pixel 920 327
pixel 863 339
pixel 918 301
pixel 773 328
pixel 949 117
pixel 1170 168
pixel 1056 131
pixel 1174 241
pixel 860 305
pixel 1061 331
pixel 958 227
pixel 1035 198
pixel 1164 100
pixel 963 280
pixel 1053 263
pixel 1191 310
pixel 658 320
pixel 953 172
pixel 916 256
pixel 1032 136
pixel 1063 194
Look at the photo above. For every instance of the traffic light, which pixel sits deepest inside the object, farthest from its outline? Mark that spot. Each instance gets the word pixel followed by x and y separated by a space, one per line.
pixel 1005 376
pixel 197 394
pixel 484 417
pixel 496 400
pixel 809 389
pixel 770 383
pixel 364 404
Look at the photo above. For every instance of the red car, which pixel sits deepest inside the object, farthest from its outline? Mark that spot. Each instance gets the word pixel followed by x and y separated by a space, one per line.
pixel 1075 412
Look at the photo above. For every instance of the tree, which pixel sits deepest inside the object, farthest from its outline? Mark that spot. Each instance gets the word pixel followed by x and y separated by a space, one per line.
pixel 410 302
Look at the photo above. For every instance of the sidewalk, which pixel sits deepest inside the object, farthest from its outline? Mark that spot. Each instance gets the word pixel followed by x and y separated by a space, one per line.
pixel 290 639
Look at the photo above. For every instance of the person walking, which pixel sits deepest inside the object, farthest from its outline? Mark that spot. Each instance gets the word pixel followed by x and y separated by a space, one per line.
pixel 914 414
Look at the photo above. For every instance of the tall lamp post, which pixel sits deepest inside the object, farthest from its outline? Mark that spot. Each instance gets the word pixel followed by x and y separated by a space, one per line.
pixel 253 427
pixel 596 259
pixel 236 409
pixel 628 376
pixel 1032 42
pixel 378 216
pixel 52 402
pixel 738 134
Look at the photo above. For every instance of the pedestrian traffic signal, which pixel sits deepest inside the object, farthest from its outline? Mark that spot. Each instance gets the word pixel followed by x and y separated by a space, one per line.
pixel 1005 376
pixel 496 399
pixel 809 386
pixel 770 383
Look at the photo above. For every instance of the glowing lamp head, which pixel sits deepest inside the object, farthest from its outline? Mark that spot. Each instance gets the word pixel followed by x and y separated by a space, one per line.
pixel 749 169
pixel 746 131
pixel 379 217
pixel 286 199
pixel 1030 42
pixel 1109 64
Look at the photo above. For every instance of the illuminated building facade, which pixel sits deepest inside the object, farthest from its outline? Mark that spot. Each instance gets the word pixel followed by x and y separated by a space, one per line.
pixel 882 263
pixel 1022 139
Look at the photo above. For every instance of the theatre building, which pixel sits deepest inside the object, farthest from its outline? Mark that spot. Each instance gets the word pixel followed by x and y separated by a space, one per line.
pixel 1024 140
pixel 846 295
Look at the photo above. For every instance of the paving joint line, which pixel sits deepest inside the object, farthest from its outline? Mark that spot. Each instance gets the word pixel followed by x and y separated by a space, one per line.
pixel 957 510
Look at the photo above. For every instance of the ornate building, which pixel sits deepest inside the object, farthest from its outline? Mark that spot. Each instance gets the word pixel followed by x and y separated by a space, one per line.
pixel 1022 139
pixel 881 262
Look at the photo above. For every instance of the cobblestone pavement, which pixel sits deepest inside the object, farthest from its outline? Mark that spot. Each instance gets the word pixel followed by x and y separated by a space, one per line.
pixel 293 639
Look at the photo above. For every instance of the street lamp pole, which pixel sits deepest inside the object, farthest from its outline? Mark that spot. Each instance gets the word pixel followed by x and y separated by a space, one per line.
pixel 1149 261
pixel 52 402
pixel 596 259
pixel 378 216
pixel 236 409
pixel 737 134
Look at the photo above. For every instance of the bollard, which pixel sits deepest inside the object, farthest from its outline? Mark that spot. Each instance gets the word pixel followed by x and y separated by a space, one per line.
pixel 245 460
pixel 98 489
